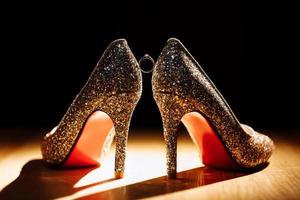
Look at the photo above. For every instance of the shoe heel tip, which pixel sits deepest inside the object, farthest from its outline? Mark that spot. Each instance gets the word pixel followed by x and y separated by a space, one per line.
pixel 172 176
pixel 119 175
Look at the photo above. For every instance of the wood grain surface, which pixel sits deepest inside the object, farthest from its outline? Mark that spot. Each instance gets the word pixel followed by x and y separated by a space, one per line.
pixel 24 176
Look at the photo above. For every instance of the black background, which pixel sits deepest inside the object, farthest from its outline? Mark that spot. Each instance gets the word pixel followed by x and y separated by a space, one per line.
pixel 248 49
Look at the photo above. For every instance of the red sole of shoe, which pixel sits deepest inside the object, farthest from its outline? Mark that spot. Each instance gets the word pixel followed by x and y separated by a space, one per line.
pixel 213 151
pixel 88 148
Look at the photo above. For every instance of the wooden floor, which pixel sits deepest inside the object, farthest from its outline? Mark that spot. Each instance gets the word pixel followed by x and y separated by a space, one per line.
pixel 23 175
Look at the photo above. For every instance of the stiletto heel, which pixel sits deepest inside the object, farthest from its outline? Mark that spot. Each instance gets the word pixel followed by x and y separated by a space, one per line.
pixel 105 102
pixel 172 109
pixel 121 118
pixel 171 115
pixel 184 92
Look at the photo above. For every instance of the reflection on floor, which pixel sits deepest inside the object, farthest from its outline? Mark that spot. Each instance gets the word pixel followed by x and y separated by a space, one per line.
pixel 23 175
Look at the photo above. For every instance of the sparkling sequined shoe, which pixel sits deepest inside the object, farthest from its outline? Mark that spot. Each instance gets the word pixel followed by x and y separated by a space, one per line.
pixel 183 92
pixel 101 111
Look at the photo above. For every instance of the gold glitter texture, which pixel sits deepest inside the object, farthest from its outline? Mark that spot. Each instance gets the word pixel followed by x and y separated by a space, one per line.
pixel 114 87
pixel 181 86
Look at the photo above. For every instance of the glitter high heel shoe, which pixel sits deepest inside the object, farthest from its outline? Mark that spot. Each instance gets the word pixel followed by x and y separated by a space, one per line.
pixel 102 110
pixel 183 92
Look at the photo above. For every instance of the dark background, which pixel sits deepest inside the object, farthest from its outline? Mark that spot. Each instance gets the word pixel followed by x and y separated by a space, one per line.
pixel 247 48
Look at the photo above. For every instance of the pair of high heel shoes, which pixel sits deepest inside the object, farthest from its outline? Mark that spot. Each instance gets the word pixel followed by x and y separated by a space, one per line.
pixel 183 92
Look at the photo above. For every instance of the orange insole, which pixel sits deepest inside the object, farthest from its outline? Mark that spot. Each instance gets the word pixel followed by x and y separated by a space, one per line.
pixel 88 149
pixel 212 149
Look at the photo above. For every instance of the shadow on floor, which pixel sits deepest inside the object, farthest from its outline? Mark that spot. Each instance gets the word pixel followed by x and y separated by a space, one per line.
pixel 188 179
pixel 38 182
